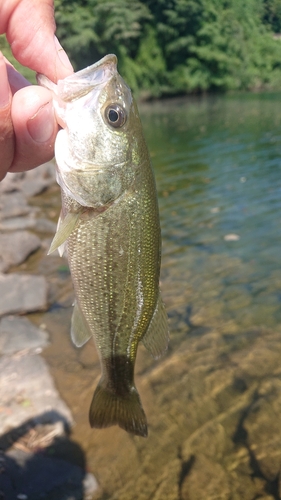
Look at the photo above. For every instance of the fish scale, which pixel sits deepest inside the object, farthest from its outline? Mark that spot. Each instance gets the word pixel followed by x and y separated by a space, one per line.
pixel 104 292
pixel 109 228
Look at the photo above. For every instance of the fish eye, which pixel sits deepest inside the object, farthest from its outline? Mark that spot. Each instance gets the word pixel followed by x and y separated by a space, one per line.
pixel 115 115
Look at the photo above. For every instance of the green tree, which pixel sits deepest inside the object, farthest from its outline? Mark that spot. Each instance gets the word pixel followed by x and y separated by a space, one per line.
pixel 272 15
pixel 177 46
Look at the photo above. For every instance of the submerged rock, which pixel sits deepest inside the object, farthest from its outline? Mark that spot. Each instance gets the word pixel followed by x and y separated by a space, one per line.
pixel 206 479
pixel 262 425
pixel 213 422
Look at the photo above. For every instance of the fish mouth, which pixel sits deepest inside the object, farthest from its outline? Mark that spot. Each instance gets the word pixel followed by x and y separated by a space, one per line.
pixel 82 82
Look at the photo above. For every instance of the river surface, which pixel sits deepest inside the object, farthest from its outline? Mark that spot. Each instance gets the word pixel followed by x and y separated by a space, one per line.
pixel 218 171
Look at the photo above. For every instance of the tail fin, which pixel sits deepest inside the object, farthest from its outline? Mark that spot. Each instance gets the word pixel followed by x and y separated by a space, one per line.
pixel 108 408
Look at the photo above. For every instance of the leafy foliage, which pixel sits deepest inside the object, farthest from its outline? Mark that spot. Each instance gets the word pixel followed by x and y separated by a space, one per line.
pixel 177 46
pixel 272 15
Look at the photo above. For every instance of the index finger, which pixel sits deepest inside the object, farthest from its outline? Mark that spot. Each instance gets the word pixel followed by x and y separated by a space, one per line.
pixel 30 26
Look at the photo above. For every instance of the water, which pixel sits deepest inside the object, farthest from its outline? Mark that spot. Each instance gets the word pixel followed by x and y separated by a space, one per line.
pixel 213 402
pixel 217 164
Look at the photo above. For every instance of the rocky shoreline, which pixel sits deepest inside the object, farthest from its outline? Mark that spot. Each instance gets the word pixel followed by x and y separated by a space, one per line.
pixel 35 423
pixel 213 401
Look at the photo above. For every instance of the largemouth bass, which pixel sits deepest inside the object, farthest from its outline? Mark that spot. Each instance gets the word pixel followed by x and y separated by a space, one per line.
pixel 109 229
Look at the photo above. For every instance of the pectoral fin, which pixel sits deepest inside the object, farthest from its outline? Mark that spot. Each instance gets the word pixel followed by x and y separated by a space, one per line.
pixel 157 336
pixel 80 330
pixel 65 227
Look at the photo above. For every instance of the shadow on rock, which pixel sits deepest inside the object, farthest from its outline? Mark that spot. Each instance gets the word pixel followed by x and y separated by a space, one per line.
pixel 38 460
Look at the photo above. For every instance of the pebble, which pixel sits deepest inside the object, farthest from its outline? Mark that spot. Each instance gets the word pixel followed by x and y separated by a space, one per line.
pixel 231 237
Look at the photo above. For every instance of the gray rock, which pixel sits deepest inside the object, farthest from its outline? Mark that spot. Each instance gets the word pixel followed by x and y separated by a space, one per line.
pixel 37 180
pixel 30 183
pixel 29 222
pixel 17 246
pixel 3 266
pixel 17 333
pixel 13 205
pixel 45 226
pixel 27 391
pixel 22 293
pixel 16 223
pixel 11 182
pixel 34 185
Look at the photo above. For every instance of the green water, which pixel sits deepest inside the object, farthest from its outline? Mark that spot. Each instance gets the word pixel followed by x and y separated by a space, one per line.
pixel 218 170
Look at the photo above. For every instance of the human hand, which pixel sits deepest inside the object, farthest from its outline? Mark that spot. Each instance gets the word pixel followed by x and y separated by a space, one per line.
pixel 27 123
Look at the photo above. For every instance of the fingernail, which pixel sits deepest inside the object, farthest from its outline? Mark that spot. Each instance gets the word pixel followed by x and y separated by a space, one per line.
pixel 5 93
pixel 63 57
pixel 41 125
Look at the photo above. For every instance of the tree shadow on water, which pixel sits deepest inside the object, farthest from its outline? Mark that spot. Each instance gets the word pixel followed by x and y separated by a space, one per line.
pixel 39 461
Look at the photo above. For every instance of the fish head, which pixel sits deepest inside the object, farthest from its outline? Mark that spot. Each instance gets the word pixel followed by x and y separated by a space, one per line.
pixel 98 150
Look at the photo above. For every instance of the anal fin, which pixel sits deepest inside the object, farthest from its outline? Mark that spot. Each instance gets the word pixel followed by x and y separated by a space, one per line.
pixel 80 331
pixel 157 335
